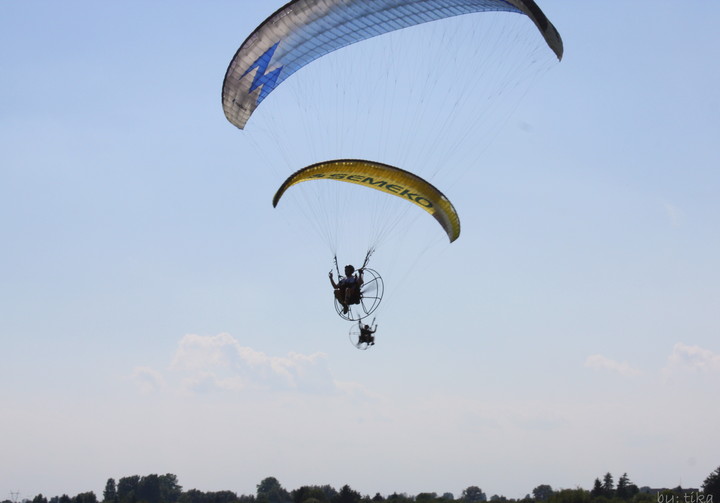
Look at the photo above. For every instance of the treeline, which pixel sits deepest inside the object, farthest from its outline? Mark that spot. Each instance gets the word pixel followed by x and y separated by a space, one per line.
pixel 166 489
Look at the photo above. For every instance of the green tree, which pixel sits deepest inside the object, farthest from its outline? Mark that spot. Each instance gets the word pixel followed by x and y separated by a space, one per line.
pixel 626 489
pixel 304 493
pixel 196 496
pixel 542 492
pixel 269 490
pixel 110 492
pixel 711 485
pixel 223 497
pixel 167 491
pixel 301 494
pixel 608 485
pixel 425 497
pixel 88 497
pixel 127 489
pixel 39 499
pixel 597 489
pixel 473 494
pixel 570 496
pixel 644 497
pixel 193 496
pixel 668 495
pixel 329 491
pixel 148 489
pixel 347 495
pixel 622 487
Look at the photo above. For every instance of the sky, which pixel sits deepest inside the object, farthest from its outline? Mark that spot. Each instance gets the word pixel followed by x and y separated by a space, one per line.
pixel 157 315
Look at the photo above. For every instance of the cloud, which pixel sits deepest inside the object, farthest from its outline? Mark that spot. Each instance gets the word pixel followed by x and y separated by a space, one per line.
pixel 693 358
pixel 148 380
pixel 600 362
pixel 220 362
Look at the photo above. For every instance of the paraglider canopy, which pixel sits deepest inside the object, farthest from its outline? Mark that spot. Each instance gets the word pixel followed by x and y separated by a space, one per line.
pixel 383 177
pixel 304 30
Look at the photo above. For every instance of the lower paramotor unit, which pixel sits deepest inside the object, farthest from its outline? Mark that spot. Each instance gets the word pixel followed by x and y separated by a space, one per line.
pixel 362 335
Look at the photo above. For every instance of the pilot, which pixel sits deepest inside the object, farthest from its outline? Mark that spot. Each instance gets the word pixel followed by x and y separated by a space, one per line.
pixel 366 334
pixel 347 289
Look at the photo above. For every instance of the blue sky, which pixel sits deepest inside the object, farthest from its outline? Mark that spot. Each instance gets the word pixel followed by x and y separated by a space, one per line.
pixel 158 316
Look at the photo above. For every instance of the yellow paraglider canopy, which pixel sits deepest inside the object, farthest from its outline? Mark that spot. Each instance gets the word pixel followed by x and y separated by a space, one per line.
pixel 385 178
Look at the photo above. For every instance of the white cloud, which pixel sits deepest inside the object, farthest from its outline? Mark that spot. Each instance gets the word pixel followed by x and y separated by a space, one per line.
pixel 147 379
pixel 220 362
pixel 600 362
pixel 694 358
